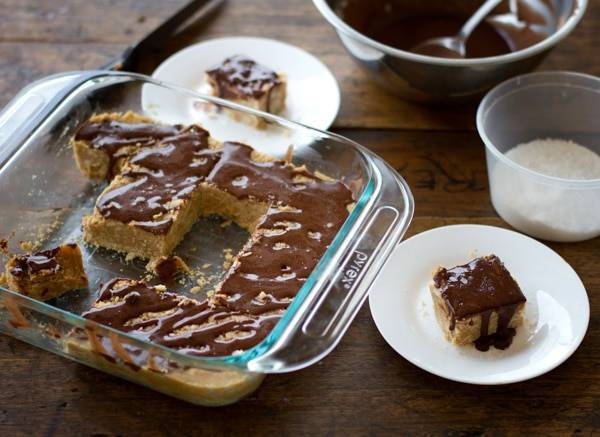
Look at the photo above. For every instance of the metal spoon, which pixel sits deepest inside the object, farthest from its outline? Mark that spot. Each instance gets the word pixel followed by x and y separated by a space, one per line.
pixel 455 46
pixel 520 33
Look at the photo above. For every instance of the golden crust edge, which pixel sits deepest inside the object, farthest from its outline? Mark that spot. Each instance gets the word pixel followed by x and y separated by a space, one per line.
pixel 198 386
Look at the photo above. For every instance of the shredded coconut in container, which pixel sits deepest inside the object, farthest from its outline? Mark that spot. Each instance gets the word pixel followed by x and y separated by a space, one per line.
pixel 547 210
pixel 558 158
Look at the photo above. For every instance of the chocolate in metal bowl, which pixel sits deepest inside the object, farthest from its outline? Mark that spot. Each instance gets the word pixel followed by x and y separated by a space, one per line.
pixel 432 79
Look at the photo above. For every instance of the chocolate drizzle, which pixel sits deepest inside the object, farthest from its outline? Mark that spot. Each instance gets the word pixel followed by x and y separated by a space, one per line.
pixel 29 264
pixel 111 135
pixel 168 319
pixel 303 216
pixel 117 138
pixel 239 77
pixel 158 179
pixel 483 286
pixel 502 338
pixel 290 240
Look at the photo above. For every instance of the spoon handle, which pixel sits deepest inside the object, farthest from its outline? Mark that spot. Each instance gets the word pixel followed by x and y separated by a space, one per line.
pixel 477 18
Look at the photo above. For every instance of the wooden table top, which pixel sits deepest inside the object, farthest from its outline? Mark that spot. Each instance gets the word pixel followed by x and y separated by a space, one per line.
pixel 363 386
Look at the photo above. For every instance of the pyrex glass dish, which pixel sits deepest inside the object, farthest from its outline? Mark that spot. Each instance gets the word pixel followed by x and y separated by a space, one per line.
pixel 44 197
pixel 558 105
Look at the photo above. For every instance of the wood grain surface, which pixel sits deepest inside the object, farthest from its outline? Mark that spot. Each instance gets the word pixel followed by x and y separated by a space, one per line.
pixel 363 387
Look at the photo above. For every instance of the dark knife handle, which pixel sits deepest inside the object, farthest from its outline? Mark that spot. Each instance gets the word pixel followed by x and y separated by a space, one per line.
pixel 126 60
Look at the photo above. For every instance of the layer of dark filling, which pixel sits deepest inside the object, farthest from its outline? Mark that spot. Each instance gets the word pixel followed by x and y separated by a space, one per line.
pixel 25 265
pixel 304 217
pixel 482 286
pixel 240 77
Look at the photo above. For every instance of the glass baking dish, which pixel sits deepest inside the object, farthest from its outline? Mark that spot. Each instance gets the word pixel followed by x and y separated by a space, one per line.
pixel 43 198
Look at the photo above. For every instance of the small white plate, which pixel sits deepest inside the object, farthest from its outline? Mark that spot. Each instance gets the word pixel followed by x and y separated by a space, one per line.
pixel 557 310
pixel 313 95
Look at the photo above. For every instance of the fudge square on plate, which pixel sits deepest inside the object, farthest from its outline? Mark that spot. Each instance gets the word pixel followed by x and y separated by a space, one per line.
pixel 478 302
pixel 47 274
pixel 242 80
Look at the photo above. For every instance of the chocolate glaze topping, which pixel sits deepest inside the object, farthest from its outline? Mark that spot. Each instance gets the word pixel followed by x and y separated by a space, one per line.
pixel 291 240
pixel 116 138
pixel 111 135
pixel 33 263
pixel 273 266
pixel 503 336
pixel 158 179
pixel 481 287
pixel 174 321
pixel 239 76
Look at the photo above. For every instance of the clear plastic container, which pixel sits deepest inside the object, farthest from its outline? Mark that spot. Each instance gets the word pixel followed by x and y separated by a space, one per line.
pixel 555 105
pixel 43 198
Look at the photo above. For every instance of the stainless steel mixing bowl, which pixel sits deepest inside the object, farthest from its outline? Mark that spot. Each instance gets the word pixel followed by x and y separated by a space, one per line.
pixel 429 79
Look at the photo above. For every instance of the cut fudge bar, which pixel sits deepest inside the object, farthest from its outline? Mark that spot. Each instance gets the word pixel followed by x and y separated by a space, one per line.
pixel 47 274
pixel 243 81
pixel 478 302
pixel 159 194
pixel 103 143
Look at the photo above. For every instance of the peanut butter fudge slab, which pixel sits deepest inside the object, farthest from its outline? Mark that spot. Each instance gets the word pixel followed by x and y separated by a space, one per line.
pixel 292 215
pixel 168 319
pixel 242 80
pixel 151 204
pixel 171 320
pixel 288 240
pixel 306 213
pixel 47 274
pixel 104 142
pixel 196 385
pixel 160 190
pixel 479 302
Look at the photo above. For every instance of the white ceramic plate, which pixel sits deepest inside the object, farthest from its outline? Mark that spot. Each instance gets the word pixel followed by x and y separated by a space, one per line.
pixel 557 310
pixel 313 95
